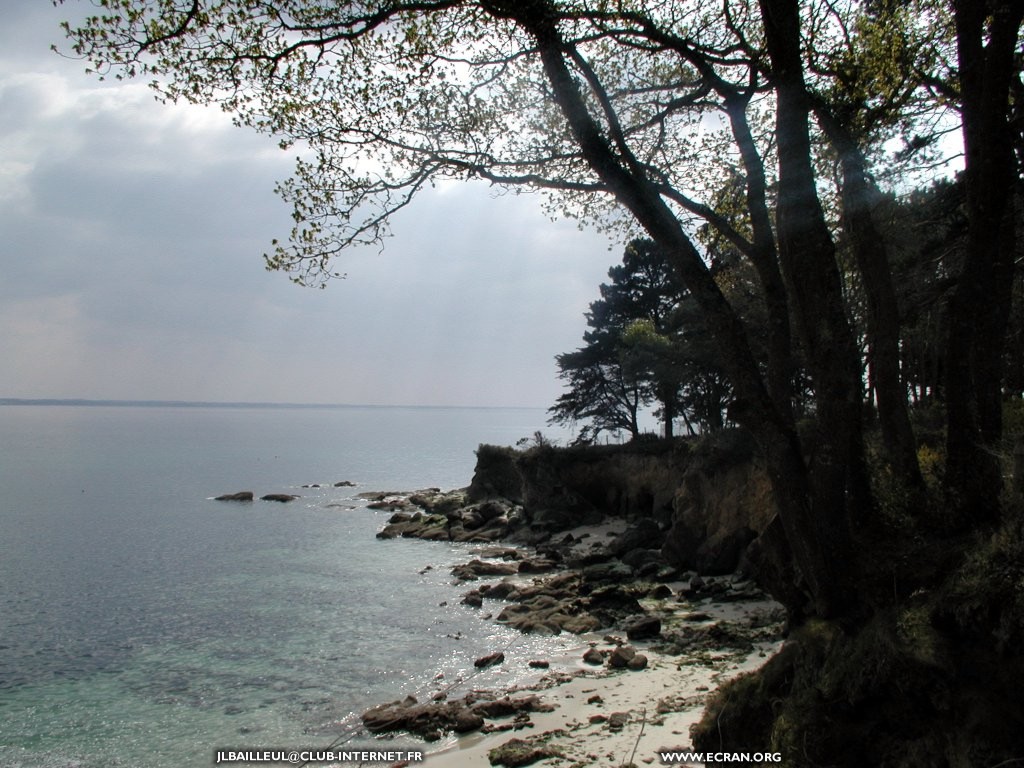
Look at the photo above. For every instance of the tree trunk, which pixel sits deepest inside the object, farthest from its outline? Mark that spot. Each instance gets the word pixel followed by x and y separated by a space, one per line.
pixel 838 477
pixel 871 255
pixel 816 530
pixel 764 257
pixel 980 305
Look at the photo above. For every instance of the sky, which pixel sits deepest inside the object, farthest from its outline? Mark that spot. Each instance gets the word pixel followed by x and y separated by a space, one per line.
pixel 131 242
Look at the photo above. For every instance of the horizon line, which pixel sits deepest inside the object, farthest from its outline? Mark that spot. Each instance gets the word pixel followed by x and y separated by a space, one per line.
pixel 120 403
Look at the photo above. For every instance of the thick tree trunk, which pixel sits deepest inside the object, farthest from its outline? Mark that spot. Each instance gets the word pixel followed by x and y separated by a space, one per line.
pixel 871 255
pixel 980 306
pixel 838 478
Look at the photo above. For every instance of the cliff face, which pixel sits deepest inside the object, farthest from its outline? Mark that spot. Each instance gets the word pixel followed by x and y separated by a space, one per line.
pixel 709 497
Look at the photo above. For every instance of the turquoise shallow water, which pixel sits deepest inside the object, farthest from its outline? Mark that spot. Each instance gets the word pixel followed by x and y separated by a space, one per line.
pixel 143 624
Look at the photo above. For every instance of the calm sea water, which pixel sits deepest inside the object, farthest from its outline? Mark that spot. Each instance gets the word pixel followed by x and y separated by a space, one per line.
pixel 143 624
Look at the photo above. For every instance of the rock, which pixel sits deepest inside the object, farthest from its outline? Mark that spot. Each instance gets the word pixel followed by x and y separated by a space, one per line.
pixel 437 502
pixel 640 558
pixel 581 623
pixel 646 534
pixel 637 663
pixel 281 497
pixel 240 496
pixel 517 752
pixel 643 627
pixel 593 656
pixel 617 720
pixel 537 565
pixel 506 706
pixel 389 504
pixel 660 592
pixel 498 591
pixel 498 553
pixel 473 599
pixel 429 720
pixel 474 569
pixel 489 660
pixel 345 484
pixel 613 603
pixel 614 571
pixel 539 664
pixel 621 656
pixel 467 720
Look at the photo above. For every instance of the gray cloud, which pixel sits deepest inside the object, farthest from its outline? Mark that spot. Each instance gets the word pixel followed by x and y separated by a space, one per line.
pixel 131 264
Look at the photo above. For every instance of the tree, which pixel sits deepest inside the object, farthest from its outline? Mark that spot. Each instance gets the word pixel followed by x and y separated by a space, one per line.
pixel 611 378
pixel 646 343
pixel 632 114
pixel 599 393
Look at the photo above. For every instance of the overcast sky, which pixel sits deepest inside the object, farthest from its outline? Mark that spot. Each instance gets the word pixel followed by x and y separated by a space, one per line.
pixel 131 236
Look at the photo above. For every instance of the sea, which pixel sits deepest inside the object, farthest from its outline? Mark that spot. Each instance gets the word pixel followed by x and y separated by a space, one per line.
pixel 144 624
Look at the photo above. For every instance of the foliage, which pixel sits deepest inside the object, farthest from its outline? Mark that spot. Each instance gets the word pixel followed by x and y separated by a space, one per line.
pixel 646 343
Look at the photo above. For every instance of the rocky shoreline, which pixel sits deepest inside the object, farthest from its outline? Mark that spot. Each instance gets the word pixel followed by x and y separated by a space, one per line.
pixel 646 628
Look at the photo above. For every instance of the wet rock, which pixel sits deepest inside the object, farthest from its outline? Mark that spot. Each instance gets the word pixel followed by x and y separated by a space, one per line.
pixel 498 591
pixel 240 496
pixel 489 660
pixel 593 656
pixel 281 497
pixel 428 720
pixel 389 504
pixel 580 623
pixel 474 569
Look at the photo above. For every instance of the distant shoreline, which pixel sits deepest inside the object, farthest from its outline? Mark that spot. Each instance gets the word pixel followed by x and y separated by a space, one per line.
pixel 209 404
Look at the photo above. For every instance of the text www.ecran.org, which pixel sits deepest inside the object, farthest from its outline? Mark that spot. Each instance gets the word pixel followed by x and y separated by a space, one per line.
pixel 715 758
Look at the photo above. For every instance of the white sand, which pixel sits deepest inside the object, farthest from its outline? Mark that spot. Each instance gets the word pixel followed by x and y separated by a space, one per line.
pixel 662 702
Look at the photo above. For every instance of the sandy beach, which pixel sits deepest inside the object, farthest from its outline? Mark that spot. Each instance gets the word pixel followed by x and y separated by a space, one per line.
pixel 615 717
pixel 601 710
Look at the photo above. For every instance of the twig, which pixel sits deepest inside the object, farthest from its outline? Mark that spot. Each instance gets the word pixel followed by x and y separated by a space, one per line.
pixel 636 744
